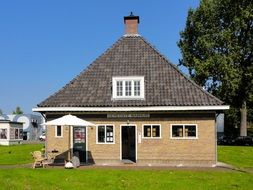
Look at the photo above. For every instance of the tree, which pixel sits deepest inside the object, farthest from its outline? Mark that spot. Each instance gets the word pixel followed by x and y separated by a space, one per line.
pixel 1 112
pixel 17 111
pixel 217 49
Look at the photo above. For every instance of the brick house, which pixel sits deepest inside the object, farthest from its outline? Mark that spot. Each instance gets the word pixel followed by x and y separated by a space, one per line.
pixel 145 110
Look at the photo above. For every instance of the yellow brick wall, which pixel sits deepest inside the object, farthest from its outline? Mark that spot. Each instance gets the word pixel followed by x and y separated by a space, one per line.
pixel 165 150
pixel 60 144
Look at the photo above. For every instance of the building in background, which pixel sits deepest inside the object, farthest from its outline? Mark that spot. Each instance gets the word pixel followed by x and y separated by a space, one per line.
pixel 11 132
pixel 32 124
pixel 220 124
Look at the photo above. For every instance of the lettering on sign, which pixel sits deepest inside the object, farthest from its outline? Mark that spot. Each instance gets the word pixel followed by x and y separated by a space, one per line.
pixel 128 115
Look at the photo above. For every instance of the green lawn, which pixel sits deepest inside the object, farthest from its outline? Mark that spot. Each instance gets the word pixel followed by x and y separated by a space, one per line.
pixel 239 156
pixel 123 179
pixel 18 154
pixel 52 178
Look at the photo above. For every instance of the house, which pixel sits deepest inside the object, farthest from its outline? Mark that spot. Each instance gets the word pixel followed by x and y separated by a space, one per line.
pixel 145 110
pixel 10 132
pixel 32 124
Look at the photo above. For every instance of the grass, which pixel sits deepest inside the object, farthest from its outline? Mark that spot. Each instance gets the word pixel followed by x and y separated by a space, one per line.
pixel 239 156
pixel 51 178
pixel 18 154
pixel 123 179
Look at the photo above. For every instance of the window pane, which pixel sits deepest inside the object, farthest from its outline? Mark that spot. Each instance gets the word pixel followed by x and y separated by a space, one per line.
pixel 137 88
pixel 128 88
pixel 16 133
pixel 79 135
pixel 21 133
pixel 147 131
pixel 58 134
pixel 119 88
pixel 177 131
pixel 101 133
pixel 190 131
pixel 3 133
pixel 156 131
pixel 109 133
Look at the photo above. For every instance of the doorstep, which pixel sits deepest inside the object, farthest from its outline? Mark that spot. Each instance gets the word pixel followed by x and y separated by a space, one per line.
pixel 127 161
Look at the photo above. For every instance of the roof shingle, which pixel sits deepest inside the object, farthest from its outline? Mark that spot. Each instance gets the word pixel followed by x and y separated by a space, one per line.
pixel 165 85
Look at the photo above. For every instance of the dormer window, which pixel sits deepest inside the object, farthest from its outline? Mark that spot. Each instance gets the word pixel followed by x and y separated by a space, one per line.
pixel 128 87
pixel 119 88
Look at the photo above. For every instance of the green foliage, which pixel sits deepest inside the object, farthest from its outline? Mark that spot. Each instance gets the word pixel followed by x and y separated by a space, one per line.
pixel 239 156
pixel 17 111
pixel 18 154
pixel 1 112
pixel 232 121
pixel 217 48
pixel 250 132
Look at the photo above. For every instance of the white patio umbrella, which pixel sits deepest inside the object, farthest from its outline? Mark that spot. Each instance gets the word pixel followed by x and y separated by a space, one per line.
pixel 69 120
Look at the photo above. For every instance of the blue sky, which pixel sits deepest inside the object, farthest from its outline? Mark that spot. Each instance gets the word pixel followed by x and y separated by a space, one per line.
pixel 44 44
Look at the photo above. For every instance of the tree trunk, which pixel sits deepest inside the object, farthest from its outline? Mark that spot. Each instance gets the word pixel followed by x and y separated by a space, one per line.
pixel 243 128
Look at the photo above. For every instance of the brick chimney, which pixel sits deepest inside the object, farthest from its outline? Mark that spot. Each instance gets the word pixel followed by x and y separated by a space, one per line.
pixel 131 24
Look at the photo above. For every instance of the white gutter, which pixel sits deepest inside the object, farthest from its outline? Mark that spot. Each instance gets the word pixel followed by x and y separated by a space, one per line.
pixel 153 108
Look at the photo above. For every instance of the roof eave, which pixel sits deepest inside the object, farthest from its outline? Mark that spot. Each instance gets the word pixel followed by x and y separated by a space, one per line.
pixel 131 109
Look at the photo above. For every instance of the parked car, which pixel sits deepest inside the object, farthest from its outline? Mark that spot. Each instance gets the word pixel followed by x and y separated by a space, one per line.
pixel 244 141
pixel 226 140
pixel 43 136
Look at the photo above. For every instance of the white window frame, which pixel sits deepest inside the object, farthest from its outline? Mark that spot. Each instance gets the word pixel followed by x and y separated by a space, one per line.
pixel 56 131
pixel 15 133
pixel 19 133
pixel 105 134
pixel 120 88
pixel 124 79
pixel 6 133
pixel 184 137
pixel 160 131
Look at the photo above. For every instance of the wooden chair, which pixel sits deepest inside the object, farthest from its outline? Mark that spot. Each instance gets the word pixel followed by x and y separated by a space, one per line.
pixel 39 159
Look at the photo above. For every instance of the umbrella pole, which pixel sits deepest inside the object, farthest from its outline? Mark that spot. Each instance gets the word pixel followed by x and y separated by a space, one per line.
pixel 69 153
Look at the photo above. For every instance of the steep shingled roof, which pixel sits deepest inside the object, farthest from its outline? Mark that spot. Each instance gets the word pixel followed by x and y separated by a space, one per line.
pixel 165 85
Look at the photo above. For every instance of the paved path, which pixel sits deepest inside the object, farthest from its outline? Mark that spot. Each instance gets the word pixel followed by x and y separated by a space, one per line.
pixel 16 166
pixel 219 167
pixel 248 170
pixel 33 142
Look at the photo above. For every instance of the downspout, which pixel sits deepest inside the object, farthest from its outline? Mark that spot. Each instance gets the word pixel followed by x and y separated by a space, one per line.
pixel 215 131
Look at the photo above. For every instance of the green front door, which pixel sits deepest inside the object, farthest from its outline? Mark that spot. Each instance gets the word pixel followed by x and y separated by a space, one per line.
pixel 79 142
